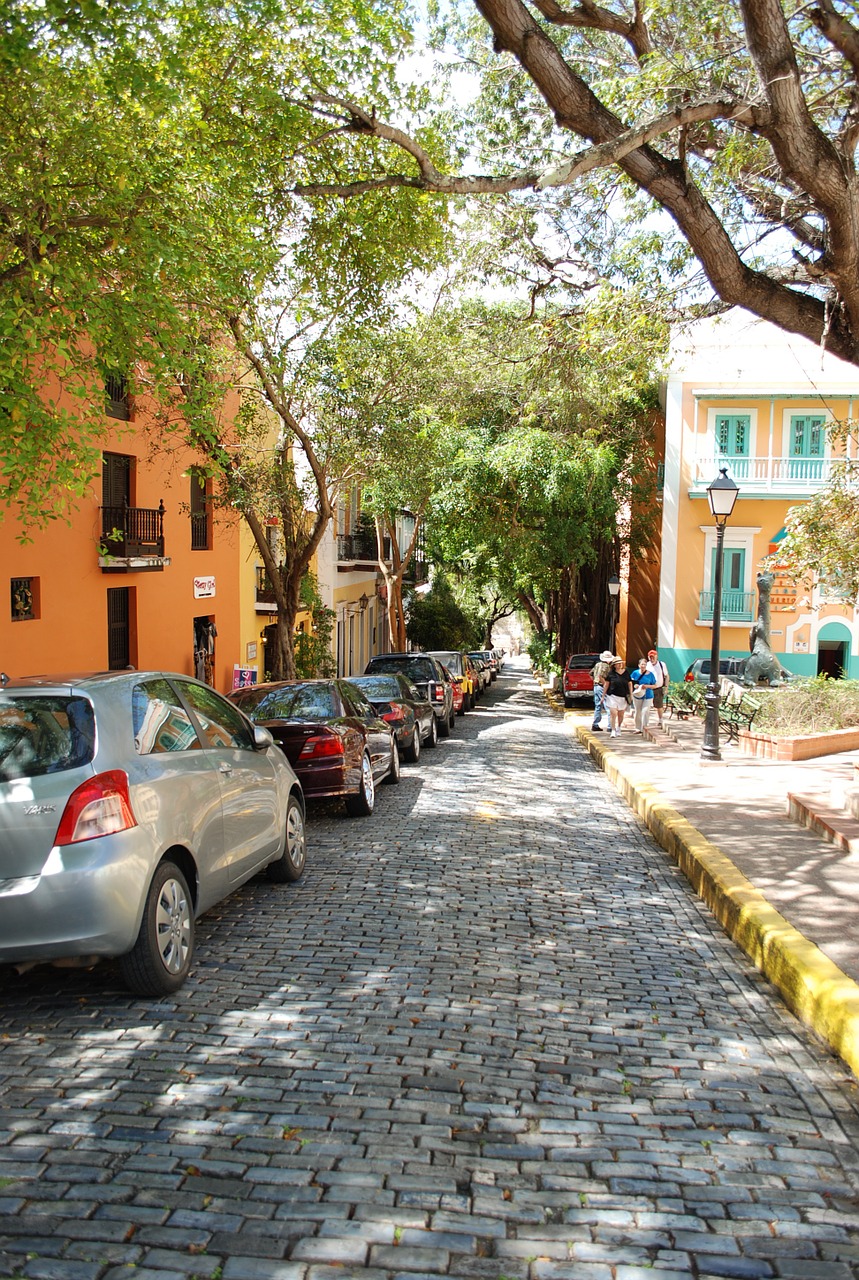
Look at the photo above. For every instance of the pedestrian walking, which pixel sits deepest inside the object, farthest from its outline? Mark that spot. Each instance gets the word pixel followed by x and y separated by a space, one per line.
pixel 598 674
pixel 660 675
pixel 617 694
pixel 643 681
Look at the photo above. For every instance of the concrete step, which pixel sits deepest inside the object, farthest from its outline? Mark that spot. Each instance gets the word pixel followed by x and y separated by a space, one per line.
pixel 660 736
pixel 845 796
pixel 832 823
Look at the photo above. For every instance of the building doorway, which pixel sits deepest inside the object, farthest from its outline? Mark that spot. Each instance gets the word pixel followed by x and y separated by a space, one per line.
pixel 119 627
pixel 833 650
pixel 205 634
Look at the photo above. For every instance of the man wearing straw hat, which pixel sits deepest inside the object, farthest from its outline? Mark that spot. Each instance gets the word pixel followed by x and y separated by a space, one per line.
pixel 598 675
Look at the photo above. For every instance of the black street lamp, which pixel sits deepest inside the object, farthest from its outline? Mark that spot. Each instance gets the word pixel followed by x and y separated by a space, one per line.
pixel 721 495
pixel 614 592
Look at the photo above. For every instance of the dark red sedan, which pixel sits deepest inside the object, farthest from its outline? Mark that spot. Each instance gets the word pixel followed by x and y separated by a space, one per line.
pixel 334 739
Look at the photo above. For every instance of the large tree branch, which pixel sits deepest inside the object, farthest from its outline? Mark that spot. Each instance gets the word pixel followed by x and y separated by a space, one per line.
pixel 593 16
pixel 430 178
pixel 612 152
pixel 282 409
pixel 838 31
pixel 804 152
pixel 576 107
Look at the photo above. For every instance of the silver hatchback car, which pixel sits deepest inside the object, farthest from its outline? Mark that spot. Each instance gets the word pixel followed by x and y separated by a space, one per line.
pixel 130 803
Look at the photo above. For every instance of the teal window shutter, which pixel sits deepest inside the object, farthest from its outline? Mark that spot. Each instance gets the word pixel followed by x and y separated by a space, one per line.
pixel 732 434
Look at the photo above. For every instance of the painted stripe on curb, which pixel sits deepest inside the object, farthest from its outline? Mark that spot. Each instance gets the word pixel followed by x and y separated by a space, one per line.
pixel 812 986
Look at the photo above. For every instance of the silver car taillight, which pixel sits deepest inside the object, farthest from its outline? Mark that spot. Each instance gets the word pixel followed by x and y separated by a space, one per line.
pixel 101 806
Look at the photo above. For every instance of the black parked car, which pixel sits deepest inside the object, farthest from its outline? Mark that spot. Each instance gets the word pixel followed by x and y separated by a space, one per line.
pixel 330 734
pixel 426 673
pixel 406 710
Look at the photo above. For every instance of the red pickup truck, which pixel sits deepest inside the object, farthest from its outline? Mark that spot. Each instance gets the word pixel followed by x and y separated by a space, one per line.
pixel 578 682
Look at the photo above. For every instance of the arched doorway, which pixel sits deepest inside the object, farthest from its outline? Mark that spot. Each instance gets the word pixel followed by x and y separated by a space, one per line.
pixel 833 650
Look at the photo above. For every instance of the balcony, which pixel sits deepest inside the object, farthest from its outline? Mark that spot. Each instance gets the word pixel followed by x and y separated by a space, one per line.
pixel 132 539
pixel 737 606
pixel 759 477
pixel 359 551
pixel 265 599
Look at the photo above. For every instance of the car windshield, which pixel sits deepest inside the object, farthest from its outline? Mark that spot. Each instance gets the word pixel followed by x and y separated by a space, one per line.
pixel 44 735
pixel 417 668
pixel 378 687
pixel 292 702
pixel 581 662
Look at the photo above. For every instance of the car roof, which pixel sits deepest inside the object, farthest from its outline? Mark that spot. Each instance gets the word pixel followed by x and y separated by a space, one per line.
pixel 79 679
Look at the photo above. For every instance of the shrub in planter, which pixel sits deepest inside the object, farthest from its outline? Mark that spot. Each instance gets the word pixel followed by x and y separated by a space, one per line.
pixel 802 707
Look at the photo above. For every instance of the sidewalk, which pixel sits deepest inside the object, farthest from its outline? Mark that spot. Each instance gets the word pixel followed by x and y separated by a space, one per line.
pixel 788 897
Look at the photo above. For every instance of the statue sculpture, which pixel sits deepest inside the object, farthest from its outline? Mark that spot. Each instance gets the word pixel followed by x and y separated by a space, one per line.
pixel 763 667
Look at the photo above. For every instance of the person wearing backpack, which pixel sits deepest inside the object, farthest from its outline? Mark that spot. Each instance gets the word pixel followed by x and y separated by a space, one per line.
pixel 598 675
pixel 660 678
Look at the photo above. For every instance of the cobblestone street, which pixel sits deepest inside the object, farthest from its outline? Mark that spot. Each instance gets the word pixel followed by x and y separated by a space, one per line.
pixel 491 1034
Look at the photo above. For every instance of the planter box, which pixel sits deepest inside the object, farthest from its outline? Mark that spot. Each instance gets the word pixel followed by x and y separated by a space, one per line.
pixel 806 747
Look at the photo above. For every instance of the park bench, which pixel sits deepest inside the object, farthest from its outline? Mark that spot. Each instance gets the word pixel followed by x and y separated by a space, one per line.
pixel 734 716
pixel 684 700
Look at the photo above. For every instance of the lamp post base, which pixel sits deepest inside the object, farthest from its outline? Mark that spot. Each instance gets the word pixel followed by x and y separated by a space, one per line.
pixel 710 746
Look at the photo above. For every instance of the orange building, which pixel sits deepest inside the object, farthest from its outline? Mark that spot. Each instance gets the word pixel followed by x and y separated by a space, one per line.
pixel 146 573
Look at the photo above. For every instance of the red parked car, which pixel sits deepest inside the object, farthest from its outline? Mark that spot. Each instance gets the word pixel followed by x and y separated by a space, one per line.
pixel 578 682
pixel 456 689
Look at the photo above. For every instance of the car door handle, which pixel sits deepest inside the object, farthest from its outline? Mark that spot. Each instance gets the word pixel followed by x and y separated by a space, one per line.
pixel 224 767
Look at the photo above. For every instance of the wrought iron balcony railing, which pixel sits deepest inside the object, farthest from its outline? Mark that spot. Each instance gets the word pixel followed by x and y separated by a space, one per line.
pixel 133 532
pixel 360 548
pixel 737 606
pixel 265 591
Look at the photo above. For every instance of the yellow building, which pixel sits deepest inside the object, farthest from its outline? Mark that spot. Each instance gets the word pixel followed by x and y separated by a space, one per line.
pixel 742 394
pixel 352 585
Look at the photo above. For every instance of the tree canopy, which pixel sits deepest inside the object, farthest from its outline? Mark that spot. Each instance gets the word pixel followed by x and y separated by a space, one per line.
pixel 146 160
pixel 737 120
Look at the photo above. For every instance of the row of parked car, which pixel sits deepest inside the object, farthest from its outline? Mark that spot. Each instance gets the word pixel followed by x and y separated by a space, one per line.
pixel 131 802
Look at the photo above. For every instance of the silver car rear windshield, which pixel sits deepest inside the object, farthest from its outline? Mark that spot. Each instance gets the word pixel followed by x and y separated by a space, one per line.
pixel 41 735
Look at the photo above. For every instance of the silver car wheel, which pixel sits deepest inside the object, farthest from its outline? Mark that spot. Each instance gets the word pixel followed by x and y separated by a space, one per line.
pixel 295 841
pixel 173 926
pixel 160 959
pixel 290 865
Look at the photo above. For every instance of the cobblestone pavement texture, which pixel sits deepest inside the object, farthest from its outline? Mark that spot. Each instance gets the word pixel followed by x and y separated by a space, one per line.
pixel 741 805
pixel 492 1034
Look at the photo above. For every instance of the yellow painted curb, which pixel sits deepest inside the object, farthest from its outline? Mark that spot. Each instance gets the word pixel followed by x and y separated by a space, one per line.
pixel 812 986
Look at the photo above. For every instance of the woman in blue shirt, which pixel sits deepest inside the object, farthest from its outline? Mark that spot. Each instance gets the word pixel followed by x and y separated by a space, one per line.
pixel 643 683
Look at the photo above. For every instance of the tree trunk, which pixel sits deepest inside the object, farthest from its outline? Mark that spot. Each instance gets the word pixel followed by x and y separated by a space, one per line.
pixel 393 575
pixel 536 616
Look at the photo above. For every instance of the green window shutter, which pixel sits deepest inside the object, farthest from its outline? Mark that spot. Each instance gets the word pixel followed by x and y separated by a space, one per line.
pixel 807 436
pixel 732 434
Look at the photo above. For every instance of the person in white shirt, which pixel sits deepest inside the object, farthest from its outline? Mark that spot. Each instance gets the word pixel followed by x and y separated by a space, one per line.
pixel 660 675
